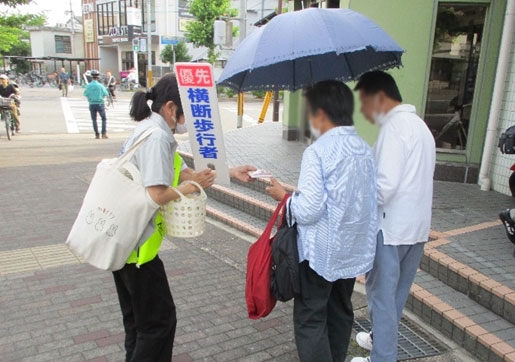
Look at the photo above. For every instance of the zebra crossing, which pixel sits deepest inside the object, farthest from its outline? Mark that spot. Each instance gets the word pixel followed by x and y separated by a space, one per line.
pixel 78 119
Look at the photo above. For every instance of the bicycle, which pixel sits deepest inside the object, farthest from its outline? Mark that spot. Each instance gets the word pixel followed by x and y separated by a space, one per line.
pixel 108 100
pixel 6 116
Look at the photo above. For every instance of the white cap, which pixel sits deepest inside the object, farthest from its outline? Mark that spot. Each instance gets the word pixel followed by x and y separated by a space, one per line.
pixel 3 76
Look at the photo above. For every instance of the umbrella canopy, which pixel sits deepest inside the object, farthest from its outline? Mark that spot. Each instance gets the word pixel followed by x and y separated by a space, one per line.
pixel 300 48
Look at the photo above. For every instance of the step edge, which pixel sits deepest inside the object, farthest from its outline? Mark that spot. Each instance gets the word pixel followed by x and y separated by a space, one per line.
pixel 479 287
pixel 232 221
pixel 499 348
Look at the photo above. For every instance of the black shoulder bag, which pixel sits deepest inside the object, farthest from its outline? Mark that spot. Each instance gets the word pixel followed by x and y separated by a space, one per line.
pixel 285 282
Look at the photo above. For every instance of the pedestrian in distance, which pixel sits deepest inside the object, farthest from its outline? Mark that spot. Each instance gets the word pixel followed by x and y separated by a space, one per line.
pixel 96 92
pixel 110 83
pixel 147 305
pixel 405 160
pixel 63 79
pixel 335 209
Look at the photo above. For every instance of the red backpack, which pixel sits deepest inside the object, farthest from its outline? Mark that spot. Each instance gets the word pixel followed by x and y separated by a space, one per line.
pixel 258 292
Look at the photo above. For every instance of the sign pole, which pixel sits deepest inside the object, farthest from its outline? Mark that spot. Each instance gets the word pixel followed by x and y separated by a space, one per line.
pixel 243 34
pixel 150 77
pixel 277 102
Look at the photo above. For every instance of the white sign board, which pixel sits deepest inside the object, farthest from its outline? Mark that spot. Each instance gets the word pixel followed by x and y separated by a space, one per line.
pixel 200 104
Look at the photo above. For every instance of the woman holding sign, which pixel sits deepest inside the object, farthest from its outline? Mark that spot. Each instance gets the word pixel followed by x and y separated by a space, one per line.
pixel 145 299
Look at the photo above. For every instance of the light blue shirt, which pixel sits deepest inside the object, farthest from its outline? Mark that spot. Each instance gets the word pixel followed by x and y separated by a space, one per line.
pixel 95 92
pixel 335 206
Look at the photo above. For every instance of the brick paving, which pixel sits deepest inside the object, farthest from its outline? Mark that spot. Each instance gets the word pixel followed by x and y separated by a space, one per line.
pixel 70 313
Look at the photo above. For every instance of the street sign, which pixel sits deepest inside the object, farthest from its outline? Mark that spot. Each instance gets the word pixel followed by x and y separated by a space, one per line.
pixel 143 45
pixel 169 40
pixel 200 104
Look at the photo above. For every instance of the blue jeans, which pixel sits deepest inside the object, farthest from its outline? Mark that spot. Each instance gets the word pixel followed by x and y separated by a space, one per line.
pixel 388 285
pixel 100 109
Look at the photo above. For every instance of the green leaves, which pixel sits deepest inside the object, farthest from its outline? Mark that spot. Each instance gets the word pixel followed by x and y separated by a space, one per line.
pixel 181 53
pixel 13 3
pixel 13 33
pixel 200 31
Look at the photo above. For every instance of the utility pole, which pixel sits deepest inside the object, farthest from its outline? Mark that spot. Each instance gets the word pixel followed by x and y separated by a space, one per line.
pixel 277 102
pixel 150 75
pixel 243 34
pixel 72 27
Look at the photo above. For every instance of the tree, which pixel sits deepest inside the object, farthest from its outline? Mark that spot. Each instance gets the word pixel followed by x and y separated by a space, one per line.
pixel 13 3
pixel 14 39
pixel 201 30
pixel 181 53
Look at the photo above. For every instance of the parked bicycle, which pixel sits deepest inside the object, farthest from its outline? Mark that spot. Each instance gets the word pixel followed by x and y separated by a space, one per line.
pixel 6 116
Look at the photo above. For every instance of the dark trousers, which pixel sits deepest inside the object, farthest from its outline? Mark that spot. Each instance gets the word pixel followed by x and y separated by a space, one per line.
pixel 322 317
pixel 111 90
pixel 148 312
pixel 100 109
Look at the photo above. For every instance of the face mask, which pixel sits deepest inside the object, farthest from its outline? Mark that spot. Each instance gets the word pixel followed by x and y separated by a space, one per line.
pixel 181 128
pixel 378 117
pixel 314 131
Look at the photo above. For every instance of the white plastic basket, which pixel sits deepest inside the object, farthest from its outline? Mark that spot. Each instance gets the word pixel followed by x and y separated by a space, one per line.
pixel 186 216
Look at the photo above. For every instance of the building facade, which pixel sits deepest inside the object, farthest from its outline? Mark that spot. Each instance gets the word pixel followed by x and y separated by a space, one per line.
pixel 55 42
pixel 448 73
pixel 111 26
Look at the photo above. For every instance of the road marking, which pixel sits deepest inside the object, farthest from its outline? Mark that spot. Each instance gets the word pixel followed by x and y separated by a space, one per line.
pixel 71 123
pixel 44 257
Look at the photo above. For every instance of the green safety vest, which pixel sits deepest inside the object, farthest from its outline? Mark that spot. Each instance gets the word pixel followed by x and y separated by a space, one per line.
pixel 148 251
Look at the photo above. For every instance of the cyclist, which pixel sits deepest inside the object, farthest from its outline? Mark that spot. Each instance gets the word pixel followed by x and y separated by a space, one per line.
pixel 7 90
pixel 110 83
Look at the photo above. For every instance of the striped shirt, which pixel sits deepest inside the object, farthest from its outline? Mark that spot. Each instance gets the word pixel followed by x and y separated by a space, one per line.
pixel 335 206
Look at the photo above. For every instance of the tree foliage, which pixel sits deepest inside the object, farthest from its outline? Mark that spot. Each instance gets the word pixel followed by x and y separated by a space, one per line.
pixel 14 39
pixel 201 30
pixel 181 53
pixel 13 3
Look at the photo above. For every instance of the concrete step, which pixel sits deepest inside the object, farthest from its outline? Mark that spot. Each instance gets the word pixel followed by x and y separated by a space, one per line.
pixel 480 331
pixel 244 199
pixel 235 218
pixel 496 297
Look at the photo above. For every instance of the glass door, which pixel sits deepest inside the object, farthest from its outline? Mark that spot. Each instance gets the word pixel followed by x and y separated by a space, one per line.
pixel 454 64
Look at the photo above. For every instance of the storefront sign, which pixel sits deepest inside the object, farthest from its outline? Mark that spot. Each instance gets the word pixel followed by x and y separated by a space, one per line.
pixel 200 105
pixel 183 24
pixel 121 34
pixel 87 8
pixel 89 31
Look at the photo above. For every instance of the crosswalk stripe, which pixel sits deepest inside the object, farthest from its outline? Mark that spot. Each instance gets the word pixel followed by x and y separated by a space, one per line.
pixel 118 119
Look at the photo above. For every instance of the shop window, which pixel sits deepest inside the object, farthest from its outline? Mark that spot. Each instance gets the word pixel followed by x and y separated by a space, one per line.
pixel 63 44
pixel 454 64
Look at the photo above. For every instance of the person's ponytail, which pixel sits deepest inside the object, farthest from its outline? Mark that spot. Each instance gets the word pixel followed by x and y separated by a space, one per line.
pixel 164 91
pixel 140 109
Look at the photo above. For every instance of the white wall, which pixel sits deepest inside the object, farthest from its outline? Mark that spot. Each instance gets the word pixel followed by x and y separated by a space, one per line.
pixel 502 163
pixel 109 59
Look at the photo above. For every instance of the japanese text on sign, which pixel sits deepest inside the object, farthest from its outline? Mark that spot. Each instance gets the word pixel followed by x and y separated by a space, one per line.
pixel 200 103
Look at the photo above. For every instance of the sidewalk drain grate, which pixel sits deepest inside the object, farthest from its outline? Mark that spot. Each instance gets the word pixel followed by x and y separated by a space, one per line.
pixel 413 341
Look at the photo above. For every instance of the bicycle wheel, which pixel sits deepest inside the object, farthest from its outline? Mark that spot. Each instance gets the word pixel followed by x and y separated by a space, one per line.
pixel 7 122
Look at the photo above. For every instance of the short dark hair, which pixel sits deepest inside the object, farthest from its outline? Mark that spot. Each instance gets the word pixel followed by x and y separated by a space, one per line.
pixel 374 82
pixel 165 90
pixel 334 98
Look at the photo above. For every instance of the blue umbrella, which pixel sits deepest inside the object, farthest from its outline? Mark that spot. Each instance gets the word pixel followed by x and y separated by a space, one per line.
pixel 300 48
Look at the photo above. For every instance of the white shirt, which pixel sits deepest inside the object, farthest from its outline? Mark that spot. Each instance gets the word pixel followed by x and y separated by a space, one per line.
pixel 405 160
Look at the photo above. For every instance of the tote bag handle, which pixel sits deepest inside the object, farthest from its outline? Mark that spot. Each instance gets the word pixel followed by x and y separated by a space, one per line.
pixel 275 217
pixel 127 155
